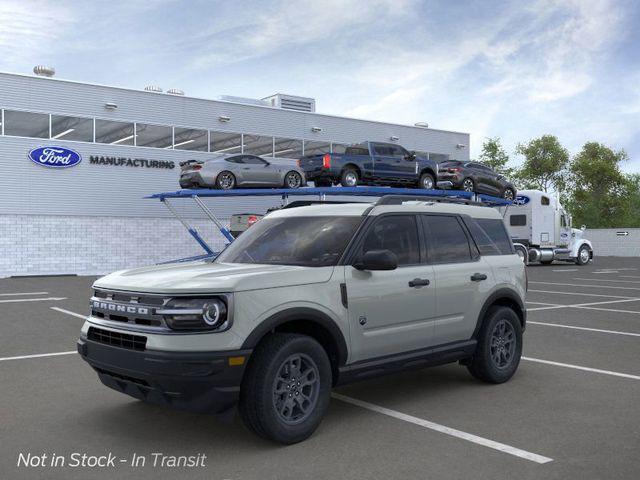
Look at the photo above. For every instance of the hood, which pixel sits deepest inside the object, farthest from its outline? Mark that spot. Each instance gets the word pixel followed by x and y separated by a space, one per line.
pixel 206 277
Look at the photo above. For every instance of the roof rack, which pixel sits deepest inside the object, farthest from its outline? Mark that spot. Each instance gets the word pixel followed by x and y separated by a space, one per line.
pixel 388 196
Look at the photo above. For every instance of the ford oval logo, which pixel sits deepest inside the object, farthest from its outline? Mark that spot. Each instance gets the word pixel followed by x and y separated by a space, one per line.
pixel 521 200
pixel 56 157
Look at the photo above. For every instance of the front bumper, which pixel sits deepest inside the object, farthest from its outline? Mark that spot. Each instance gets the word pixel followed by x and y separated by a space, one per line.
pixel 202 382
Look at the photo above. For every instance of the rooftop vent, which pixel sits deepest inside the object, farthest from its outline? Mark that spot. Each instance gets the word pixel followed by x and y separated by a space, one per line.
pixel 422 124
pixel 291 102
pixel 43 71
pixel 175 91
pixel 153 88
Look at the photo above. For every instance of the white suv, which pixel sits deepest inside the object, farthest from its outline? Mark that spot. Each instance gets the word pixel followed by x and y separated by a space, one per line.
pixel 309 298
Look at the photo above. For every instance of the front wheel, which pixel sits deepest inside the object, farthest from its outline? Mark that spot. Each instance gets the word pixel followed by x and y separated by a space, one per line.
pixel 293 180
pixel 468 185
pixel 584 255
pixel 499 346
pixel 426 181
pixel 508 194
pixel 285 391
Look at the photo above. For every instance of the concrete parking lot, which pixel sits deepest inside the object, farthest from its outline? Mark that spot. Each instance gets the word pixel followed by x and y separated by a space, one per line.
pixel 570 412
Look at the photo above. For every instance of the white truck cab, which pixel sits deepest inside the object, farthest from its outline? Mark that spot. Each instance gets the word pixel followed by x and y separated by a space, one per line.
pixel 541 230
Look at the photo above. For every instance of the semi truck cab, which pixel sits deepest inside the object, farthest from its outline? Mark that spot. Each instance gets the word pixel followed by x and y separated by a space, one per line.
pixel 542 229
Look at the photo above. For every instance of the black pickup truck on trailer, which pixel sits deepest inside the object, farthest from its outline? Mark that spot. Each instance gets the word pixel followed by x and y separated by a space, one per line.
pixel 371 163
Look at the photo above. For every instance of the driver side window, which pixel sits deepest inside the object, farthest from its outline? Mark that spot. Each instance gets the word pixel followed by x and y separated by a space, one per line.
pixel 397 233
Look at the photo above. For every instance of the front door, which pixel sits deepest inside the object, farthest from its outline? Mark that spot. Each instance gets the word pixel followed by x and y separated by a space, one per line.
pixel 391 311
pixel 258 171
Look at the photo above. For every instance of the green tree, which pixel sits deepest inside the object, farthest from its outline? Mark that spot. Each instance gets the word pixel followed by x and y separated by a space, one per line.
pixel 600 194
pixel 545 164
pixel 494 156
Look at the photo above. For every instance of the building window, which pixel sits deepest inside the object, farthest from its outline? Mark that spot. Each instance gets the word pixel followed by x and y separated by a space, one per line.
pixel 157 136
pixel 338 147
pixel 257 145
pixel 225 142
pixel 316 148
pixel 287 148
pixel 190 139
pixel 71 128
pixel 438 157
pixel 115 133
pixel 26 124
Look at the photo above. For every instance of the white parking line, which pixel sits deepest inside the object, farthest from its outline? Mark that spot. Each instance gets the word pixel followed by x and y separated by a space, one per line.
pixel 566 270
pixel 606 280
pixel 573 327
pixel 609 310
pixel 40 355
pixel 534 303
pixel 588 286
pixel 580 294
pixel 485 442
pixel 587 305
pixel 73 314
pixel 629 276
pixel 23 293
pixel 49 299
pixel 579 367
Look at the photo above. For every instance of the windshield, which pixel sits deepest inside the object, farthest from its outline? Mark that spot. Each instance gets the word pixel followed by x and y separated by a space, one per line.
pixel 305 241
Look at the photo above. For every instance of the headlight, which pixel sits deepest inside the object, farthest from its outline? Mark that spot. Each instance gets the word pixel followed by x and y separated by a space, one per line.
pixel 197 313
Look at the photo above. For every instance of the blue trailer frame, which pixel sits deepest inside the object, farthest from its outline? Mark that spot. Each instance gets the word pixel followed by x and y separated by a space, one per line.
pixel 197 194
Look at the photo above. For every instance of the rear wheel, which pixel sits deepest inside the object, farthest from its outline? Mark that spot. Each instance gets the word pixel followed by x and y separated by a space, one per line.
pixel 499 346
pixel 349 178
pixel 293 180
pixel 584 255
pixel 225 180
pixel 468 185
pixel 426 181
pixel 285 391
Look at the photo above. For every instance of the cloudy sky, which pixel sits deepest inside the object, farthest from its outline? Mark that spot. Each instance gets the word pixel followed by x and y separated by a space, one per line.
pixel 492 68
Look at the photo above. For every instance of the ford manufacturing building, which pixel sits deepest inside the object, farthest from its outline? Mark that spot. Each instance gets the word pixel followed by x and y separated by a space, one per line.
pixel 91 218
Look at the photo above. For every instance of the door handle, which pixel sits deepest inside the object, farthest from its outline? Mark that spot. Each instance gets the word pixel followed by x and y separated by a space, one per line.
pixel 478 277
pixel 419 282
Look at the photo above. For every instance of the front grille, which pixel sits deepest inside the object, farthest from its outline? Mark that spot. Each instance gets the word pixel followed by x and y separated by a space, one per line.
pixel 131 308
pixel 117 339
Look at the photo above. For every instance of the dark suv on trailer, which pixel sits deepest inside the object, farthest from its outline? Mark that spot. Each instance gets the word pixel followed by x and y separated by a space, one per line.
pixel 475 177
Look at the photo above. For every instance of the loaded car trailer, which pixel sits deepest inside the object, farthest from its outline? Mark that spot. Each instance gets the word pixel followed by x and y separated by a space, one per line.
pixel 401 194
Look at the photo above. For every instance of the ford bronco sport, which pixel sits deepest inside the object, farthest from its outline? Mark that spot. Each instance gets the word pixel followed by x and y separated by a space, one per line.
pixel 310 298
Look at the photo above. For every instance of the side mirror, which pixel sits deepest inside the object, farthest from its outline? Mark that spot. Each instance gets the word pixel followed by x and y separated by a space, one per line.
pixel 411 156
pixel 583 228
pixel 377 260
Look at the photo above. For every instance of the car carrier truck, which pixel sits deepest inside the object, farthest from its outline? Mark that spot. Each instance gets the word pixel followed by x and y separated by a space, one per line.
pixel 541 230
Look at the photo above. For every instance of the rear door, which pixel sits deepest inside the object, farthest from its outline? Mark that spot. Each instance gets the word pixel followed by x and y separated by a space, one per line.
pixel 462 278
pixel 390 311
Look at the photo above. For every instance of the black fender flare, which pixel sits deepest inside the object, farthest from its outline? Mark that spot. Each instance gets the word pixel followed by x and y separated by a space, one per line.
pixel 305 314
pixel 500 294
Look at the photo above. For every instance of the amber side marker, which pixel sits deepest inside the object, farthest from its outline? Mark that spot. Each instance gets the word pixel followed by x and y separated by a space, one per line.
pixel 236 361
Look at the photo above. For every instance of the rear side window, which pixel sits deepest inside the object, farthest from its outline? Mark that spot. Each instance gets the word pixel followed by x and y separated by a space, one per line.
pixel 397 233
pixel 446 239
pixel 490 236
pixel 238 159
pixel 357 151
pixel 518 220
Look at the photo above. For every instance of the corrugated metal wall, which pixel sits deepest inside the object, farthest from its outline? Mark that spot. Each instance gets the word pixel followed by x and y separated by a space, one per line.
pixel 614 242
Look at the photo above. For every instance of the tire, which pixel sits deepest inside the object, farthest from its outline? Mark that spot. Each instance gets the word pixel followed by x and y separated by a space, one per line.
pixel 468 185
pixel 484 364
pixel 261 409
pixel 292 180
pixel 546 262
pixel 509 194
pixel 349 178
pixel 427 181
pixel 225 180
pixel 584 255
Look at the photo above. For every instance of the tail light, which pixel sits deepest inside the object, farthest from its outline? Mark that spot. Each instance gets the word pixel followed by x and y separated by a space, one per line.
pixel 196 167
pixel 251 220
pixel 326 161
pixel 455 170
pixel 298 162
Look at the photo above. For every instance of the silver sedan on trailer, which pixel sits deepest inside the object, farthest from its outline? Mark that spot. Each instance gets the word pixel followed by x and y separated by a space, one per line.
pixel 241 170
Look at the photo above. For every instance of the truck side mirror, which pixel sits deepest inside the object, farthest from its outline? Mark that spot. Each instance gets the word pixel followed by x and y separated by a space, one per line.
pixel 377 260
pixel 583 228
pixel 411 156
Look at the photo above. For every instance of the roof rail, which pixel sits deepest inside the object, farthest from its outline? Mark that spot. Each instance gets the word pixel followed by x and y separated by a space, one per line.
pixel 399 199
